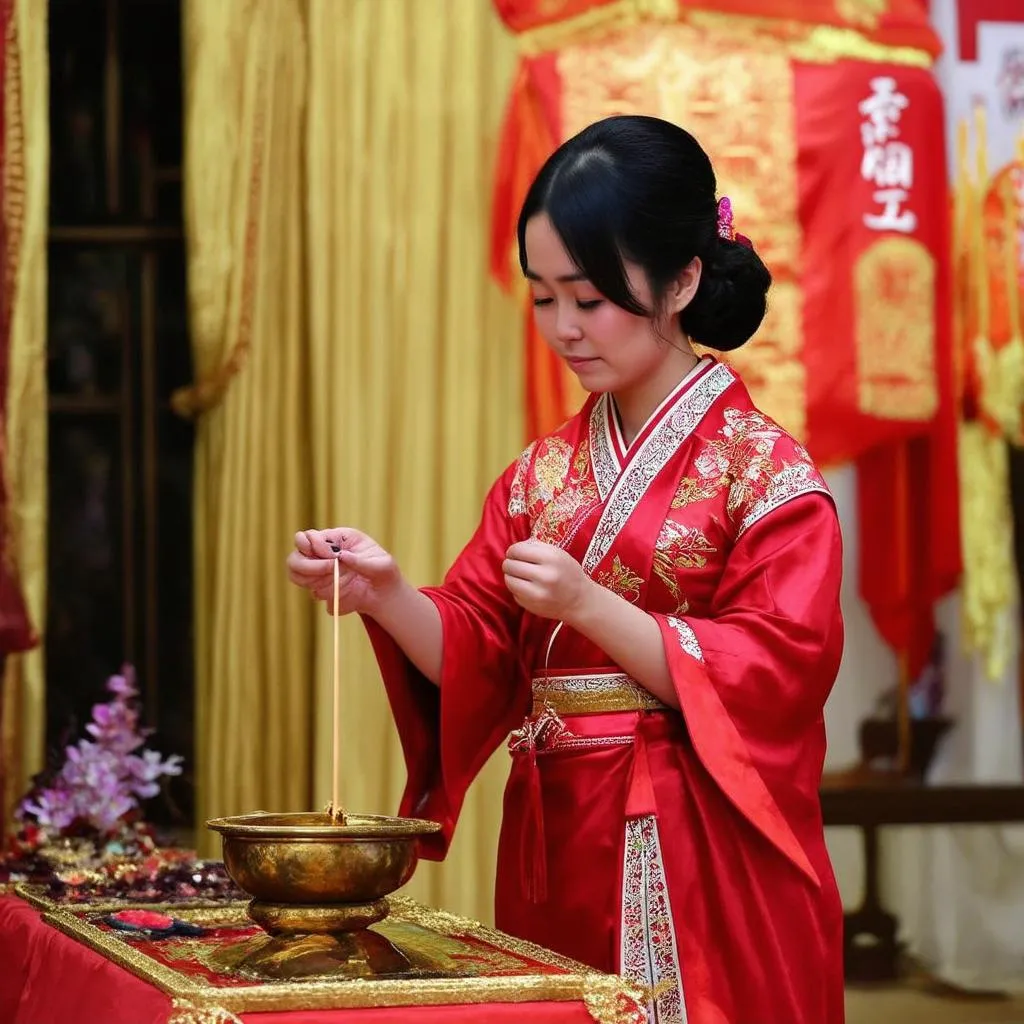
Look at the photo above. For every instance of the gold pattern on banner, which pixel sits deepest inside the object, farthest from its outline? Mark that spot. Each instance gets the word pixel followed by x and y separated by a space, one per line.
pixel 894 283
pixel 736 97
pixel 796 40
pixel 865 13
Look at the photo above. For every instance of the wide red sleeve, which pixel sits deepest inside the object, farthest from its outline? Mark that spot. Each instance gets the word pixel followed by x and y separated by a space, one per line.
pixel 752 678
pixel 449 731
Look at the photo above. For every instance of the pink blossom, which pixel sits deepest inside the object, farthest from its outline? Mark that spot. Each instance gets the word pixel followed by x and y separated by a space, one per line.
pixel 104 778
pixel 124 684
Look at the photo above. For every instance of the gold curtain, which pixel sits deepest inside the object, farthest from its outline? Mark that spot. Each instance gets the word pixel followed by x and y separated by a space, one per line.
pixel 414 352
pixel 245 64
pixel 373 378
pixel 26 158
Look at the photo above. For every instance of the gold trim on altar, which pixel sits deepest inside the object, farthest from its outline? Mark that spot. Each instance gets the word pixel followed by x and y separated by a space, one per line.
pixel 609 999
pixel 189 910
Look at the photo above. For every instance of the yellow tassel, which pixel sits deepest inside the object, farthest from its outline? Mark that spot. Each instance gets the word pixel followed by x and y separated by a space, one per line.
pixel 989 580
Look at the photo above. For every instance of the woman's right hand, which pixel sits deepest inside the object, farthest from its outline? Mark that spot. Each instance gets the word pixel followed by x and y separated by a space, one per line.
pixel 368 576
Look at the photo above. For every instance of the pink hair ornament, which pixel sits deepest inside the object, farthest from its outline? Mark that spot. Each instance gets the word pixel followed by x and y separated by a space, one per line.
pixel 726 229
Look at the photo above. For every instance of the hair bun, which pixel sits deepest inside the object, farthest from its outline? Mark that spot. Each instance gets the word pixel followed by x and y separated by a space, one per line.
pixel 731 299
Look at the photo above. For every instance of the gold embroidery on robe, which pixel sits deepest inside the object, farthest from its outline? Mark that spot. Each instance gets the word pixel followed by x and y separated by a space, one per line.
pixel 553 487
pixel 559 489
pixel 712 476
pixel 752 438
pixel 517 492
pixel 550 469
pixel 680 547
pixel 738 459
pixel 744 459
pixel 581 463
pixel 785 484
pixel 621 580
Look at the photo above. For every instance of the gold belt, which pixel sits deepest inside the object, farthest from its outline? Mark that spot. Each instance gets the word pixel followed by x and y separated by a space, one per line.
pixel 586 694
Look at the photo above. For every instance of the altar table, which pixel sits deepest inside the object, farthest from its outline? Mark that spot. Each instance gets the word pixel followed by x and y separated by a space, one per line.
pixel 61 964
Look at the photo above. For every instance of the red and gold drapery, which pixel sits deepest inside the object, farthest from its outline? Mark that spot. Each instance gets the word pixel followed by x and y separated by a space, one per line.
pixel 826 129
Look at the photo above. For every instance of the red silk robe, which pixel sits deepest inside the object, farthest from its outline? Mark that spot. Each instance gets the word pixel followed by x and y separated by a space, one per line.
pixel 684 849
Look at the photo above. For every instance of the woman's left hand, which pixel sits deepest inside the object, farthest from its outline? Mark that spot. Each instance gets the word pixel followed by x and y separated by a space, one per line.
pixel 545 580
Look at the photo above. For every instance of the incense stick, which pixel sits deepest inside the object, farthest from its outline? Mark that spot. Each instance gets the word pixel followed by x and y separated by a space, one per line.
pixel 334 809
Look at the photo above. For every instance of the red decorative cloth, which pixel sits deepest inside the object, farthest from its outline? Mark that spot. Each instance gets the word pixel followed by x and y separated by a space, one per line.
pixel 48 976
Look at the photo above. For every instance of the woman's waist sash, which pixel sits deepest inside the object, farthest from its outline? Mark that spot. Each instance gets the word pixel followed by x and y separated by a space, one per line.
pixel 590 693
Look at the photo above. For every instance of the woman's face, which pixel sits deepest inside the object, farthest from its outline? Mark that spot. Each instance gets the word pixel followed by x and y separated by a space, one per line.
pixel 607 347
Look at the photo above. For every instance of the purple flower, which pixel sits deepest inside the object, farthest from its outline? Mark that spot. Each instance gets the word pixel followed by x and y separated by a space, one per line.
pixel 50 809
pixel 148 768
pixel 116 725
pixel 124 684
pixel 104 778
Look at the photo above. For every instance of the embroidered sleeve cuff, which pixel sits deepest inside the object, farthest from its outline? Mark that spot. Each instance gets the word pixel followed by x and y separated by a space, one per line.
pixel 687 638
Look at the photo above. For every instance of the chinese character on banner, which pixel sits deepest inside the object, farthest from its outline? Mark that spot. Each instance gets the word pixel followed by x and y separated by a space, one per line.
pixel 888 163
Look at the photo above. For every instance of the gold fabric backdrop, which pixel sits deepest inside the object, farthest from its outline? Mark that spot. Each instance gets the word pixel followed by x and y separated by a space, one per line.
pixel 26 168
pixel 339 155
pixel 244 98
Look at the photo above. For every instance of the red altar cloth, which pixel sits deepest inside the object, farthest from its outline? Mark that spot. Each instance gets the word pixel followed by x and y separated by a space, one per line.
pixel 49 978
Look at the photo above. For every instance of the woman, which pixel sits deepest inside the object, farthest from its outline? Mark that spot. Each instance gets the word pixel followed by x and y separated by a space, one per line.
pixel 650 607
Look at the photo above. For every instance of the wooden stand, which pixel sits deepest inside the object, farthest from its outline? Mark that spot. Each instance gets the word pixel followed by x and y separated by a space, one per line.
pixel 872 947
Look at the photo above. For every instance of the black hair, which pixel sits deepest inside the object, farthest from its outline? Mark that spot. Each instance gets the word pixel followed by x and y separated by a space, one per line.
pixel 642 189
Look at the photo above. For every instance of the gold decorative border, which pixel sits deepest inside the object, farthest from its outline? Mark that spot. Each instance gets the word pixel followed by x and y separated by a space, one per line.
pixel 31 894
pixel 608 997
pixel 586 694
pixel 262 825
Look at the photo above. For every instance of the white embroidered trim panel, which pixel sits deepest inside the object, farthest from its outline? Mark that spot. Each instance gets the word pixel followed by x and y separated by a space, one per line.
pixel 652 457
pixel 792 481
pixel 603 462
pixel 648 949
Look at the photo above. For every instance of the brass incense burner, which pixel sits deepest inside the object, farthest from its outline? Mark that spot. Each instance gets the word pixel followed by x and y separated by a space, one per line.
pixel 327 881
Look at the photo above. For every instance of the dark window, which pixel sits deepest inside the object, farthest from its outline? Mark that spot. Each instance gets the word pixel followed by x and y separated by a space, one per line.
pixel 120 474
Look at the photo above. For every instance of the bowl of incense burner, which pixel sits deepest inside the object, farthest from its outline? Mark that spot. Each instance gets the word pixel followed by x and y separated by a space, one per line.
pixel 309 872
